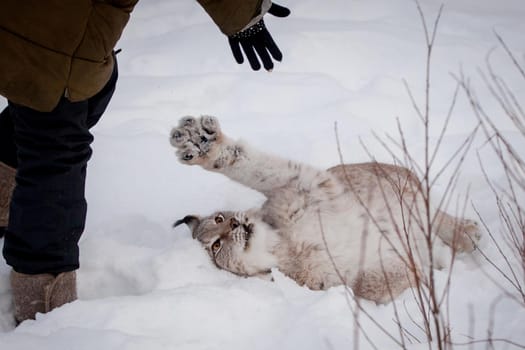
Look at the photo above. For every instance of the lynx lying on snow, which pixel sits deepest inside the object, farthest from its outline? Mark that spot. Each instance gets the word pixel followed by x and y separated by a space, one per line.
pixel 359 224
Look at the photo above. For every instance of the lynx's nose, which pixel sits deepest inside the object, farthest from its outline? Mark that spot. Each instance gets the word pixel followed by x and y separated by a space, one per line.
pixel 234 223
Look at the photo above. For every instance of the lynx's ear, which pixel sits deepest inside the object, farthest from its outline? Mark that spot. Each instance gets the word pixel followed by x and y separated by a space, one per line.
pixel 191 220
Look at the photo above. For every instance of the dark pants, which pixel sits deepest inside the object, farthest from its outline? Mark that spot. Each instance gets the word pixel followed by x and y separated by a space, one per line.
pixel 50 151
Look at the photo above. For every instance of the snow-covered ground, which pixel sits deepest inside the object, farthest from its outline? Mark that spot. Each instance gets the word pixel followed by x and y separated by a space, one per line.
pixel 144 285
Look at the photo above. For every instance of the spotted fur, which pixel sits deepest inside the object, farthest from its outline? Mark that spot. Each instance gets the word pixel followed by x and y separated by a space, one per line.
pixel 357 224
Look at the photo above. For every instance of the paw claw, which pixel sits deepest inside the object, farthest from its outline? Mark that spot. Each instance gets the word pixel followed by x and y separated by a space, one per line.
pixel 177 137
pixel 210 124
pixel 187 121
pixel 188 153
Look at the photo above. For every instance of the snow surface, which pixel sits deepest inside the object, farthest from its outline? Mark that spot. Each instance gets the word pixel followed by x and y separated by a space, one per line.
pixel 144 285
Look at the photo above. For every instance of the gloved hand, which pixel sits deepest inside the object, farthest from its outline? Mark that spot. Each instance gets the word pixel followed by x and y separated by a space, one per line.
pixel 257 41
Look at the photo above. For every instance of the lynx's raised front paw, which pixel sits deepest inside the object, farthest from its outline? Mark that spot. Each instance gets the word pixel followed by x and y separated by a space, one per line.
pixel 195 138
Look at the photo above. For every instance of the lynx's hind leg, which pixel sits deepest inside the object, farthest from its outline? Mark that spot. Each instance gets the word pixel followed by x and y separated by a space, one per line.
pixel 462 235
pixel 383 284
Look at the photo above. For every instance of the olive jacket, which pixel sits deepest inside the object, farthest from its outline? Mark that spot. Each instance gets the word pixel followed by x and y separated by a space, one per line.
pixel 55 48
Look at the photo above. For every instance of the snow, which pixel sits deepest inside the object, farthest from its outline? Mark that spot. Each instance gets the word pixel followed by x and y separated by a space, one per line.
pixel 144 285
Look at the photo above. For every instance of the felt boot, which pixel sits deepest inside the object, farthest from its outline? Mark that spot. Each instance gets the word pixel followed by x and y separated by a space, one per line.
pixel 7 183
pixel 41 293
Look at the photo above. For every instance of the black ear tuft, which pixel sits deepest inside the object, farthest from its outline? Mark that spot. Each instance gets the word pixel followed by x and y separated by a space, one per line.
pixel 191 220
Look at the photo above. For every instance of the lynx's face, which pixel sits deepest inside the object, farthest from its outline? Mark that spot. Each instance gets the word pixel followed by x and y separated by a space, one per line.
pixel 225 236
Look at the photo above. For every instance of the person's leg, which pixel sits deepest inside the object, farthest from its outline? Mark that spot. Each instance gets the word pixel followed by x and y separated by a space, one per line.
pixel 48 208
pixel 7 142
pixel 98 103
pixel 7 166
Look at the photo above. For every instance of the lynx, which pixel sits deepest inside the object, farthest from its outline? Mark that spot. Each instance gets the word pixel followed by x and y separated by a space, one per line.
pixel 356 224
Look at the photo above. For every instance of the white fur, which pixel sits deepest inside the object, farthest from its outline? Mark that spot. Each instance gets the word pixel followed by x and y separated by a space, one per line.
pixel 363 225
pixel 259 255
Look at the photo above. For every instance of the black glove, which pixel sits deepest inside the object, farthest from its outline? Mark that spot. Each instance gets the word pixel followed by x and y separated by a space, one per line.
pixel 257 41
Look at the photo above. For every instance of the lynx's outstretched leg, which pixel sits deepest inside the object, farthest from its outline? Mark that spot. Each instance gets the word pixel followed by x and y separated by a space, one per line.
pixel 199 141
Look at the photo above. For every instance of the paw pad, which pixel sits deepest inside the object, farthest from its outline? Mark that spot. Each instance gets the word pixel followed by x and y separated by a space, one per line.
pixel 194 138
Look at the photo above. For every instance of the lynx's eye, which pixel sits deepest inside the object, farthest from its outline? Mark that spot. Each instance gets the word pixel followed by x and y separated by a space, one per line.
pixel 216 246
pixel 219 219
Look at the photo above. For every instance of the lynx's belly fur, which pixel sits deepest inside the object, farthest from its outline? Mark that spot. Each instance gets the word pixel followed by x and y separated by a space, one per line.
pixel 360 224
